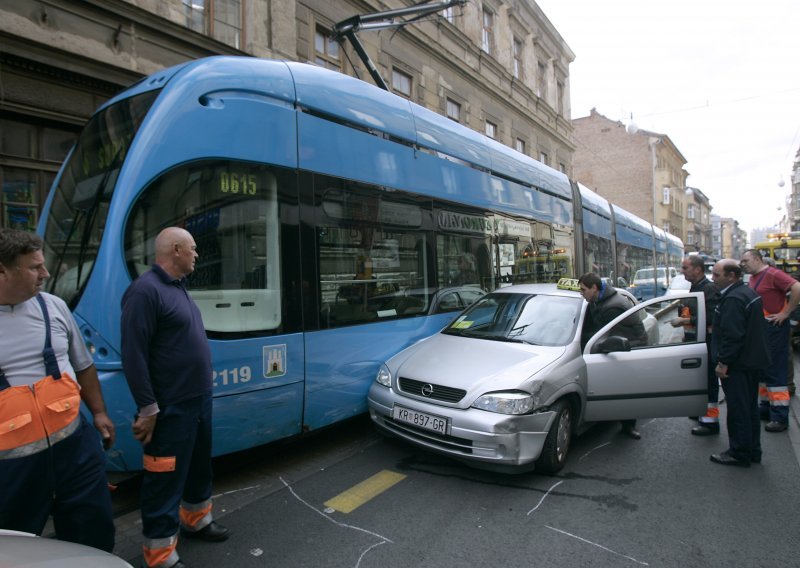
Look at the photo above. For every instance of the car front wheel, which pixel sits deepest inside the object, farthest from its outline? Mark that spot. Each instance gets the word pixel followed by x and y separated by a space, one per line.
pixel 556 445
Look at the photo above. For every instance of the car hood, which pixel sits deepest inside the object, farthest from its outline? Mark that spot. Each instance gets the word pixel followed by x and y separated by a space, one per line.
pixel 475 365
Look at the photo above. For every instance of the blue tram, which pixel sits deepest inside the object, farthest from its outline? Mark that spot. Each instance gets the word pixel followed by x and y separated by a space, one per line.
pixel 336 224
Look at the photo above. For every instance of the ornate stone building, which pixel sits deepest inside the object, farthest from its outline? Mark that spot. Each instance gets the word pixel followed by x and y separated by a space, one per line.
pixel 644 173
pixel 497 66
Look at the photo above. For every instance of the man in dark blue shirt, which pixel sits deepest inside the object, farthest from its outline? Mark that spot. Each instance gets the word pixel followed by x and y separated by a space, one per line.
pixel 167 363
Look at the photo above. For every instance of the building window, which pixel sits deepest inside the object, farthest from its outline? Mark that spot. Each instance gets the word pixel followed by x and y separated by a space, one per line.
pixel 221 19
pixel 487 37
pixel 326 50
pixel 491 130
pixel 666 226
pixel 541 79
pixel 665 199
pixel 453 110
pixel 450 15
pixel 690 211
pixel 689 237
pixel 560 97
pixel 543 158
pixel 517 59
pixel 562 167
pixel 519 145
pixel 401 82
pixel 30 156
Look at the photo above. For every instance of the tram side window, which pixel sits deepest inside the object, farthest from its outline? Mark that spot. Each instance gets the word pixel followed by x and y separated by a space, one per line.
pixel 542 254
pixel 373 257
pixel 231 210
pixel 464 261
pixel 598 256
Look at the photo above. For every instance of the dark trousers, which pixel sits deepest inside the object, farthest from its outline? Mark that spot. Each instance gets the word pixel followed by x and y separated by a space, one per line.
pixel 182 431
pixel 744 426
pixel 774 377
pixel 68 481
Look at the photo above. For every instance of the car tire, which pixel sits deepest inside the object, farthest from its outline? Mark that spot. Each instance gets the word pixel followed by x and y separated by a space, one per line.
pixel 559 438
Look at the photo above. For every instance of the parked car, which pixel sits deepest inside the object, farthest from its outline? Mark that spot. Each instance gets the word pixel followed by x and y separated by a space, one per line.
pixel 508 383
pixel 31 551
pixel 650 283
pixel 426 301
pixel 678 285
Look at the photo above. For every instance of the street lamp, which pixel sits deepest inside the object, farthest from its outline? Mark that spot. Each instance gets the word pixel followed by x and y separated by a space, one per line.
pixel 632 127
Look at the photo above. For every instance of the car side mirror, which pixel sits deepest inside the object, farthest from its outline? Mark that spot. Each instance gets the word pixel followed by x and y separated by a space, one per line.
pixel 612 344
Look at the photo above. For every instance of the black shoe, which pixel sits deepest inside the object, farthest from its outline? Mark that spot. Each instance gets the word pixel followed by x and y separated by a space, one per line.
pixel 632 433
pixel 213 532
pixel 695 418
pixel 709 429
pixel 726 459
pixel 775 426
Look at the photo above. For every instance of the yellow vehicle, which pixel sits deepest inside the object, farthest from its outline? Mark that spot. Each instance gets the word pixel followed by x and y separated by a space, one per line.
pixel 784 248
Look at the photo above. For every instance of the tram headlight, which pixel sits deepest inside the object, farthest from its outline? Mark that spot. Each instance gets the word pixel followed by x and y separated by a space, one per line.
pixel 384 377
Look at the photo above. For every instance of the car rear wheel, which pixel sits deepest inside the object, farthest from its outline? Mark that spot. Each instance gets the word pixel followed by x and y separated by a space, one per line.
pixel 556 445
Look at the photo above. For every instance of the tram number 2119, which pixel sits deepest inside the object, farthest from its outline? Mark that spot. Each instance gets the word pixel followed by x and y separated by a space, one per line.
pixel 232 376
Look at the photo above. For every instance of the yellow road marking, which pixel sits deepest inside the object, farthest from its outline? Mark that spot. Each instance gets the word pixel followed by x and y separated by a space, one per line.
pixel 357 495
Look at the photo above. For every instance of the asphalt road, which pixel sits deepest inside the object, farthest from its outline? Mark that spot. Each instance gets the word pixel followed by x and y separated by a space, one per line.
pixel 619 502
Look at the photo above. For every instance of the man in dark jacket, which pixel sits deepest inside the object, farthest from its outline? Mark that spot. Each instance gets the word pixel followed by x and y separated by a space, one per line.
pixel 605 304
pixel 693 268
pixel 739 347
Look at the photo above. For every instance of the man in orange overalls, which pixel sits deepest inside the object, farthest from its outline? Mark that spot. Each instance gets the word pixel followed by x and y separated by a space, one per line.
pixel 51 459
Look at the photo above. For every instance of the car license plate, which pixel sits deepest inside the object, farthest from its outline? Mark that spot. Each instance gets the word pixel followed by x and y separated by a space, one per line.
pixel 421 419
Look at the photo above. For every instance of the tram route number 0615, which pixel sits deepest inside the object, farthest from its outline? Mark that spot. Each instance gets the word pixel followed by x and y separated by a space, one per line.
pixel 420 419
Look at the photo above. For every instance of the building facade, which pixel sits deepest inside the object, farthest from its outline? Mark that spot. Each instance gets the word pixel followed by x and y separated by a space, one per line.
pixel 496 66
pixel 728 239
pixel 644 173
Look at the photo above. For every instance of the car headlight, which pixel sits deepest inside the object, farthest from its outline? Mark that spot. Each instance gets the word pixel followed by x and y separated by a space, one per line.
pixel 505 402
pixel 384 377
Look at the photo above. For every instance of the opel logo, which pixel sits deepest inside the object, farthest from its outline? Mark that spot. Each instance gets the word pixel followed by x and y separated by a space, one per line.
pixel 427 390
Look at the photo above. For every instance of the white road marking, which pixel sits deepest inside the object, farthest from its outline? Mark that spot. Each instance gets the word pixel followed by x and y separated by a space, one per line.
pixel 383 539
pixel 597 545
pixel 593 449
pixel 544 497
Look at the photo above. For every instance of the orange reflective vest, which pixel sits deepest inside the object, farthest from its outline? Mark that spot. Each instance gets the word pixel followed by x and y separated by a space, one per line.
pixel 685 312
pixel 34 417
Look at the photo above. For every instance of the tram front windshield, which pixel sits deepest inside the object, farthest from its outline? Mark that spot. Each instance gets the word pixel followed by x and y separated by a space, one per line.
pixel 79 208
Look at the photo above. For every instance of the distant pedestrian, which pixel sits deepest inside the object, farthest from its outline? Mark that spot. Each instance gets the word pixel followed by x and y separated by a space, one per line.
pixel 740 349
pixel 773 285
pixel 167 362
pixel 693 269
pixel 605 304
pixel 51 458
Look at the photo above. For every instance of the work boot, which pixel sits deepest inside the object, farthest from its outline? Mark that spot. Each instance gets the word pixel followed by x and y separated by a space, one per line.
pixel 708 429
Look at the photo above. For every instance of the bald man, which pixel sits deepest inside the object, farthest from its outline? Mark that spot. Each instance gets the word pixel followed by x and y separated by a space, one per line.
pixel 167 363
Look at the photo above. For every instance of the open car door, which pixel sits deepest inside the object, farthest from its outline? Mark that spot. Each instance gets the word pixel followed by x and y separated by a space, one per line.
pixel 640 366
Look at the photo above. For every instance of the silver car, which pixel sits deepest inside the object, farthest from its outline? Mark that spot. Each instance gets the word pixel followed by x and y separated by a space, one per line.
pixel 507 384
pixel 31 551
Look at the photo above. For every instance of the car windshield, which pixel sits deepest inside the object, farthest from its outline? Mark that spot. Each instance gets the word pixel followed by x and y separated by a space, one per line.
pixel 536 319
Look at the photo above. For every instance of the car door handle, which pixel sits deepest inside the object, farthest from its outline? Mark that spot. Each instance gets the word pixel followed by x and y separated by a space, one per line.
pixel 693 363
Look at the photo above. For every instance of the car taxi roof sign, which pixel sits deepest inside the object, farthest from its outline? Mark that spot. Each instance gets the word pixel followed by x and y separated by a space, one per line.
pixel 568 284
